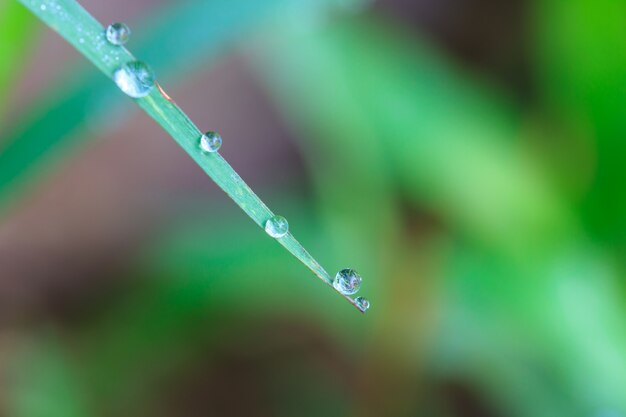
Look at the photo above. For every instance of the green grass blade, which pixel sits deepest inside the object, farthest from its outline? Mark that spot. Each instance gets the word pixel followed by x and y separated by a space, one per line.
pixel 81 30
pixel 15 33
pixel 53 129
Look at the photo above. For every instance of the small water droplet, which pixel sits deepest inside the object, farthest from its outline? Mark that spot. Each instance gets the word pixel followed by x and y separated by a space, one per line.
pixel 81 40
pixel 43 7
pixel 210 142
pixel 118 33
pixel 362 303
pixel 277 227
pixel 347 281
pixel 135 78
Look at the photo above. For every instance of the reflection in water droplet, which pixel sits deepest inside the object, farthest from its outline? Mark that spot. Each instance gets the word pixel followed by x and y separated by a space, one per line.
pixel 210 142
pixel 118 33
pixel 135 79
pixel 277 227
pixel 363 303
pixel 347 281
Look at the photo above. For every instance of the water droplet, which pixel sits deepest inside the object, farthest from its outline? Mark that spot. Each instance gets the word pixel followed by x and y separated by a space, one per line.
pixel 134 78
pixel 210 142
pixel 43 7
pixel 362 303
pixel 347 281
pixel 118 33
pixel 277 227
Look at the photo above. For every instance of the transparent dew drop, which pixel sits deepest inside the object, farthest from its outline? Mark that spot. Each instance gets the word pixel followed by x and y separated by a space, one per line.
pixel 118 33
pixel 277 227
pixel 362 303
pixel 210 142
pixel 135 78
pixel 347 281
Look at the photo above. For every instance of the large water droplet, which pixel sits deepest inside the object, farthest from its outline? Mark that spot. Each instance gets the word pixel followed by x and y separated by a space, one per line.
pixel 277 227
pixel 347 281
pixel 118 33
pixel 210 142
pixel 135 79
pixel 362 303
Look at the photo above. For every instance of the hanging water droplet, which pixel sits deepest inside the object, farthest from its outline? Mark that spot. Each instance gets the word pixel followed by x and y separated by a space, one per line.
pixel 210 142
pixel 118 33
pixel 362 303
pixel 277 227
pixel 134 78
pixel 347 281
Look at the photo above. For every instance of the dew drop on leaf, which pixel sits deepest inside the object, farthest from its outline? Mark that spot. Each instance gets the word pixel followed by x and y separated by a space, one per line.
pixel 347 281
pixel 362 303
pixel 118 33
pixel 277 227
pixel 210 142
pixel 135 78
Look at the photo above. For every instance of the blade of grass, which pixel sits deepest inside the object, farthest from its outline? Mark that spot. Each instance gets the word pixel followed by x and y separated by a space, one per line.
pixel 86 34
pixel 52 129
pixel 15 33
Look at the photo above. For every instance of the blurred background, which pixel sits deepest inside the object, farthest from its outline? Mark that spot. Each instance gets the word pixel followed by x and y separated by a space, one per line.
pixel 465 156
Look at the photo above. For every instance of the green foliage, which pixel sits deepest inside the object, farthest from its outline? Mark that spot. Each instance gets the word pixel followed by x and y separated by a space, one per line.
pixel 580 67
pixel 445 139
pixel 413 119
pixel 16 33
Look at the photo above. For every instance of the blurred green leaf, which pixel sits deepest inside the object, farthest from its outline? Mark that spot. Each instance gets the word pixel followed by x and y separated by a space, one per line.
pixel 367 94
pixel 44 380
pixel 449 141
pixel 17 30
pixel 541 345
pixel 580 69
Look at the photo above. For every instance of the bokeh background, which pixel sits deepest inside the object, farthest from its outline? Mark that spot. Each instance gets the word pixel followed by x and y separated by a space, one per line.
pixel 465 156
